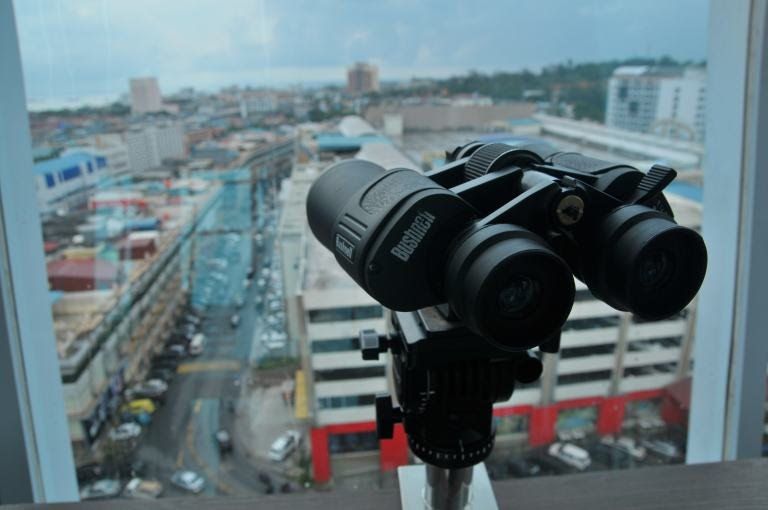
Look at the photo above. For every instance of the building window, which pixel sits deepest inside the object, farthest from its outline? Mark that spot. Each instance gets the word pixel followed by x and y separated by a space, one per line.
pixel 345 314
pixel 633 108
pixel 345 401
pixel 591 323
pixel 353 442
pixel 335 345
pixel 589 350
pixel 598 375
pixel 339 374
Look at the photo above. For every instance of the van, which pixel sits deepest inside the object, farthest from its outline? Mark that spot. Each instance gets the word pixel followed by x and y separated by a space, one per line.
pixel 197 344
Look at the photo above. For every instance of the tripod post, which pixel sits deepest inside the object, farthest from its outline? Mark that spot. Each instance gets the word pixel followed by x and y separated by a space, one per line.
pixel 434 488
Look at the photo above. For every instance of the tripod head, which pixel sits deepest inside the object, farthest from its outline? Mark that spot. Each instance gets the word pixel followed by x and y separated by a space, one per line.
pixel 477 259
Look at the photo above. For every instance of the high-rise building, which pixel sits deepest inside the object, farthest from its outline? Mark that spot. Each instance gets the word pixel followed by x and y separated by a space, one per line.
pixel 362 78
pixel 148 145
pixel 661 100
pixel 145 95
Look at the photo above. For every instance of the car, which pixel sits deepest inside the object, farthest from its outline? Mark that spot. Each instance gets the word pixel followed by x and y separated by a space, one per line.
pixel 139 405
pixel 125 431
pixel 105 488
pixel 191 319
pixel 257 301
pixel 239 301
pixel 140 488
pixel 249 272
pixel 660 448
pixel 162 374
pixel 223 441
pixel 247 283
pixel 165 363
pixel 89 472
pixel 234 321
pixel 188 481
pixel 284 445
pixel 275 306
pixel 175 350
pixel 524 468
pixel 570 454
pixel 610 456
pixel 261 283
pixel 626 444
pixel 197 345
pixel 154 389
pixel 143 418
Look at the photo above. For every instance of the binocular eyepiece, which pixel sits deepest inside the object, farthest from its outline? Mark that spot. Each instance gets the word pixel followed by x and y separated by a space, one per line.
pixel 499 233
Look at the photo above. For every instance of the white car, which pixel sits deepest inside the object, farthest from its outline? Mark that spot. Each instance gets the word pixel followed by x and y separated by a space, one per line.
pixel 189 481
pixel 626 444
pixel 571 455
pixel 284 445
pixel 143 489
pixel 197 344
pixel 125 431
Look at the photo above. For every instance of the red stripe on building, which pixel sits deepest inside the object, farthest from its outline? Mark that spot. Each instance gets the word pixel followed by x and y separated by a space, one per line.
pixel 542 428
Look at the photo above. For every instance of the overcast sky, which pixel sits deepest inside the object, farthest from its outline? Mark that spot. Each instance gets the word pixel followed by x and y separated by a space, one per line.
pixel 89 48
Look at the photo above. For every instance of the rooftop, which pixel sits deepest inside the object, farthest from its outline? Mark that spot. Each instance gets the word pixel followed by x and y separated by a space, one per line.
pixel 57 164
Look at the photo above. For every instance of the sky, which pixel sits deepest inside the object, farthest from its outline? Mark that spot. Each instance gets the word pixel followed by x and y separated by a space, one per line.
pixel 86 50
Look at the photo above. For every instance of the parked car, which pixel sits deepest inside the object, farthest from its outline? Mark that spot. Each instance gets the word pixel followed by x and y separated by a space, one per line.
pixel 139 405
pixel 188 481
pixel 143 418
pixel 139 488
pixel 610 456
pixel 571 455
pixel 524 468
pixel 155 391
pixel 234 321
pixel 165 363
pixel 197 345
pixel 239 301
pixel 89 472
pixel 626 444
pixel 125 431
pixel 191 319
pixel 101 489
pixel 223 441
pixel 249 272
pixel 284 445
pixel 162 374
pixel 664 449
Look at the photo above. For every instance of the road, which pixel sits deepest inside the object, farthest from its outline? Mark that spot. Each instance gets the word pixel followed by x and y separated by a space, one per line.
pixel 220 389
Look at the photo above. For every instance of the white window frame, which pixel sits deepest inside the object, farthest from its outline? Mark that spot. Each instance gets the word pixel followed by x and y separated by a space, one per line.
pixel 727 403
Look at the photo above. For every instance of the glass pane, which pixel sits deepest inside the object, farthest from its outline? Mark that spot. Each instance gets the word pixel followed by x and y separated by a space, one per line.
pixel 201 327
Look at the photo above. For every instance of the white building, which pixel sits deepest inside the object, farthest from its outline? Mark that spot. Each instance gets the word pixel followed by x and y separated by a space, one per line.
pixel 145 95
pixel 63 182
pixel 666 101
pixel 148 145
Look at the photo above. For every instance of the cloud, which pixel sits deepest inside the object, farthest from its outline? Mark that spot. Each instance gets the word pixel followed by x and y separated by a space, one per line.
pixel 85 47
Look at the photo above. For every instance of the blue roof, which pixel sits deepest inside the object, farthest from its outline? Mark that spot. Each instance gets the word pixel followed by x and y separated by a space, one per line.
pixel 339 142
pixel 55 165
pixel 527 121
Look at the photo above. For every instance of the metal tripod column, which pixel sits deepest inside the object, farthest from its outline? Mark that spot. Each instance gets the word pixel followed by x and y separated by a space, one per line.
pixel 448 489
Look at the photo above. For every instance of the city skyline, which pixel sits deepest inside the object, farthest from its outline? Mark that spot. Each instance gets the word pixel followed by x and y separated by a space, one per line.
pixel 88 50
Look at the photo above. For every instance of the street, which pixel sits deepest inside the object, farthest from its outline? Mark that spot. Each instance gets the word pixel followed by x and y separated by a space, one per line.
pixel 222 388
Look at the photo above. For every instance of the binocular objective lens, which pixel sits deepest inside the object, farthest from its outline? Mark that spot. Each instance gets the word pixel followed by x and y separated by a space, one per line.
pixel 655 270
pixel 519 294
